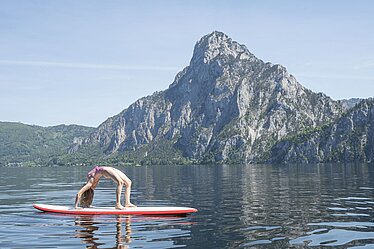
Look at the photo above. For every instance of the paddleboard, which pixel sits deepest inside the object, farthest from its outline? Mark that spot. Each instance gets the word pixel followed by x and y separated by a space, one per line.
pixel 112 210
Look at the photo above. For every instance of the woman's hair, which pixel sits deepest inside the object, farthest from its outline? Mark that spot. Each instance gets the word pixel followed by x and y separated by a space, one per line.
pixel 86 198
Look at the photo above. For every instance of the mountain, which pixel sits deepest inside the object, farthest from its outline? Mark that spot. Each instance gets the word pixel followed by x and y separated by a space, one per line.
pixel 22 144
pixel 349 139
pixel 226 106
pixel 350 103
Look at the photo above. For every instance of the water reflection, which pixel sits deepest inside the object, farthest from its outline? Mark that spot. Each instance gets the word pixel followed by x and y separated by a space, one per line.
pixel 240 206
pixel 333 237
pixel 283 204
pixel 86 233
pixel 89 228
pixel 123 240
pixel 124 231
pixel 261 206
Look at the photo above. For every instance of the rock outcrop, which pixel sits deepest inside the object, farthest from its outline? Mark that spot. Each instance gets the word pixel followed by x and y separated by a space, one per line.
pixel 349 139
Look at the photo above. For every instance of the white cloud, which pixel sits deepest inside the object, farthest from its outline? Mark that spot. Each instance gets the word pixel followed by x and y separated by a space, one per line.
pixel 336 77
pixel 367 65
pixel 86 65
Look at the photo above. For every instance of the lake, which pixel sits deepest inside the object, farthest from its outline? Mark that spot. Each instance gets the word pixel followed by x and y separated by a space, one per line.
pixel 240 206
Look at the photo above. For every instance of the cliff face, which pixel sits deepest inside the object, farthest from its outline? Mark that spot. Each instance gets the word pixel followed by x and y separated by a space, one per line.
pixel 349 139
pixel 226 106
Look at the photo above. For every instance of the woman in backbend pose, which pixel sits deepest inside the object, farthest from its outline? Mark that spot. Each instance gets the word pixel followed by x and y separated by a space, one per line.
pixel 85 194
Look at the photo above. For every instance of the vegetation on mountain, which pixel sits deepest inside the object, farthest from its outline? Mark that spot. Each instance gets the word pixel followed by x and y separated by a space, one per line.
pixel 30 145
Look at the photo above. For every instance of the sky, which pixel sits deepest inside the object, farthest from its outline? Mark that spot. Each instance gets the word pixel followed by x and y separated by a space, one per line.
pixel 81 62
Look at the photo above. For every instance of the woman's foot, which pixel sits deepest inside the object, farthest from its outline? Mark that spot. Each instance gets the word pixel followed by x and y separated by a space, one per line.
pixel 120 207
pixel 130 205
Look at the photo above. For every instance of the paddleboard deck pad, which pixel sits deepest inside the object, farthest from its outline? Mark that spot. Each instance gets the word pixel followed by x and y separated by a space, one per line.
pixel 112 210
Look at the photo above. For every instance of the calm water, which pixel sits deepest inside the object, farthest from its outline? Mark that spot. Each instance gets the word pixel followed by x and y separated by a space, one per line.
pixel 240 206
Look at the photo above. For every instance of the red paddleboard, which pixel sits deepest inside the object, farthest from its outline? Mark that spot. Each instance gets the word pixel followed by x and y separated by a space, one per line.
pixel 112 210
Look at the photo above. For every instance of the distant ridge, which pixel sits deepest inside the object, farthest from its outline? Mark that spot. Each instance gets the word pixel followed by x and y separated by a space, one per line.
pixel 31 145
pixel 350 103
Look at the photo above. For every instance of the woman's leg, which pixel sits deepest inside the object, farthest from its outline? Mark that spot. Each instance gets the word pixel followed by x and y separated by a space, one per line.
pixel 128 184
pixel 125 180
pixel 118 196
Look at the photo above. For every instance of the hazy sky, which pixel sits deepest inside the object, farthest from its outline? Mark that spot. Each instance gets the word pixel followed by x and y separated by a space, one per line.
pixel 82 61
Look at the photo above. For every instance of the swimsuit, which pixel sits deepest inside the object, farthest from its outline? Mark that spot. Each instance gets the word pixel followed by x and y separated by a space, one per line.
pixel 94 171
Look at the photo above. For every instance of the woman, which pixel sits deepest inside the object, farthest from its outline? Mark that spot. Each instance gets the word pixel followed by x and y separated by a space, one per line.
pixel 93 179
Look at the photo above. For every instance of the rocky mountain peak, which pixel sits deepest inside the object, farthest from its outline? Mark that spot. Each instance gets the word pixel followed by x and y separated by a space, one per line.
pixel 216 45
pixel 226 106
